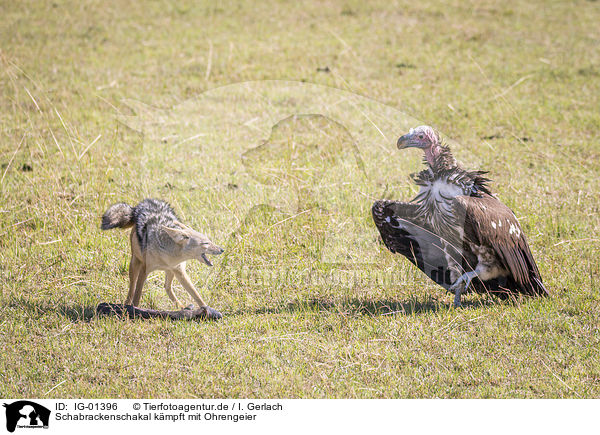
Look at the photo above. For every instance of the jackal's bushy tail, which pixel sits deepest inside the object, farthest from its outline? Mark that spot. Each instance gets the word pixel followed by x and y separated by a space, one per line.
pixel 117 216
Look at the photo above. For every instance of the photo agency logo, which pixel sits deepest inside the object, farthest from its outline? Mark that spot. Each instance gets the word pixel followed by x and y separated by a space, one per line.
pixel 295 169
pixel 25 414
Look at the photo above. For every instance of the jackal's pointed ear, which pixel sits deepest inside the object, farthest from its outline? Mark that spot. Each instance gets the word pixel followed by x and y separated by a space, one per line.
pixel 178 236
pixel 180 225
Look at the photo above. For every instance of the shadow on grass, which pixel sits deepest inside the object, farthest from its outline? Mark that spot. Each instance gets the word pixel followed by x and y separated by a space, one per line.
pixel 85 313
pixel 348 307
pixel 356 306
pixel 75 313
pixel 364 307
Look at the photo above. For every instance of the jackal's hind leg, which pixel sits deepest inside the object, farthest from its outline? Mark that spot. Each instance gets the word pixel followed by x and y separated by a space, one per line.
pixel 139 285
pixel 134 269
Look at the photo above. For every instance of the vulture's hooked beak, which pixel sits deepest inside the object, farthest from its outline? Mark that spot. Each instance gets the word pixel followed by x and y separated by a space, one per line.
pixel 404 141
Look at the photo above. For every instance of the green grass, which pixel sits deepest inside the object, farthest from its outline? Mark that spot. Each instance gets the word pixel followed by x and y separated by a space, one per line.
pixel 517 86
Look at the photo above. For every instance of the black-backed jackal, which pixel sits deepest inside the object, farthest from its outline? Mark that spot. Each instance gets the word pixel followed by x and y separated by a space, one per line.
pixel 159 242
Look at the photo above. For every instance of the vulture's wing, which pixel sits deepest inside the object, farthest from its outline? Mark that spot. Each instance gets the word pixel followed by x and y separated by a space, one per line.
pixel 489 223
pixel 404 233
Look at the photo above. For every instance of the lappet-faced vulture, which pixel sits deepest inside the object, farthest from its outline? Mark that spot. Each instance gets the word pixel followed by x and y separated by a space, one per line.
pixel 455 230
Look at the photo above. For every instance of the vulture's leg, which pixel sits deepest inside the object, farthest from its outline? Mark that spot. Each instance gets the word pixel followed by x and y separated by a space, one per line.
pixel 461 285
pixel 454 259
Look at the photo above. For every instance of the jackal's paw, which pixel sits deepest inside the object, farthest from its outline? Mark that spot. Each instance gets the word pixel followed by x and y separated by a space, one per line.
pixel 209 313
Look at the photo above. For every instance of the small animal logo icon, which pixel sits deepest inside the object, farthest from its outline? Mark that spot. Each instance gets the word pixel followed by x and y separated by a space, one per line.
pixel 26 414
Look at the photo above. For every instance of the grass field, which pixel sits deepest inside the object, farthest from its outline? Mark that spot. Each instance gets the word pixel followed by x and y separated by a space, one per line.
pixel 516 86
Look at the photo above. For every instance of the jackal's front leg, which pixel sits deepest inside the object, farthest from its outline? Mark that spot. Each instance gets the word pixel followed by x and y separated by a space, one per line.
pixel 185 281
pixel 169 275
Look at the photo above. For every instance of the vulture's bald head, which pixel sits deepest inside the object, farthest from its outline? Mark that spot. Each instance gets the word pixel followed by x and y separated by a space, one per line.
pixel 423 137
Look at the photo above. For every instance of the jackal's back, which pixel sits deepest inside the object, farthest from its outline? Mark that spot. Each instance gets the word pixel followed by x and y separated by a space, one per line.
pixel 149 216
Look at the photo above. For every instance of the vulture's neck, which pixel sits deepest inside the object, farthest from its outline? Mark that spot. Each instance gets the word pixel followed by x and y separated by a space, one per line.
pixel 443 180
pixel 440 158
pixel 442 167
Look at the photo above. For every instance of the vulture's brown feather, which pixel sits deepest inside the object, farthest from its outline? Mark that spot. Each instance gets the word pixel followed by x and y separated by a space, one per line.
pixel 488 222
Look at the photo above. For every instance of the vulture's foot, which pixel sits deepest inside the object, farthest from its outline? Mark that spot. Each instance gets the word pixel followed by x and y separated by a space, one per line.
pixel 461 286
